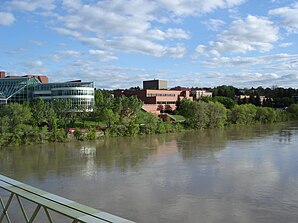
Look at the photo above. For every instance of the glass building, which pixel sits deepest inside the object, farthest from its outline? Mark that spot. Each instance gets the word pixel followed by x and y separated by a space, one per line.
pixel 27 88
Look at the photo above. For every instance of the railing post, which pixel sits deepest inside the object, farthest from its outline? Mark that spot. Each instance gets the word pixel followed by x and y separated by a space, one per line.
pixel 5 208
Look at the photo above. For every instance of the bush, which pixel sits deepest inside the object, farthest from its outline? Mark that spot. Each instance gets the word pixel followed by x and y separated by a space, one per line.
pixel 78 134
pixel 293 111
pixel 91 134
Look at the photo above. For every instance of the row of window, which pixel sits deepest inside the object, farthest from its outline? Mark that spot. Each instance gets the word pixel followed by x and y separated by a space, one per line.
pixel 163 95
pixel 166 102
pixel 50 86
pixel 72 92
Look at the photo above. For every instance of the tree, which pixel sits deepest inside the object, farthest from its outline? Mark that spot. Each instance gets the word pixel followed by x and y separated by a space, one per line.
pixel 17 121
pixel 243 114
pixel 44 113
pixel 293 110
pixel 196 113
pixel 127 107
pixel 62 109
pixel 109 117
pixel 227 102
pixel 39 109
pixel 217 115
pixel 224 90
pixel 265 115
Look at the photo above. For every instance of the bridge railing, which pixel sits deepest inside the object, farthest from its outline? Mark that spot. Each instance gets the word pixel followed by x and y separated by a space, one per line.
pixel 49 203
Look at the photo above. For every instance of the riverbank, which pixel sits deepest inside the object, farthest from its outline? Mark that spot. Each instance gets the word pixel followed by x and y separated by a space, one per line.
pixel 42 122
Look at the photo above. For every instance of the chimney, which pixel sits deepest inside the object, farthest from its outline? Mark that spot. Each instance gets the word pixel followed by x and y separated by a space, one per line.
pixel 2 74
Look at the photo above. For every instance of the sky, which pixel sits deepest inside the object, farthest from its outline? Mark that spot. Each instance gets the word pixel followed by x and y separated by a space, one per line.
pixel 121 43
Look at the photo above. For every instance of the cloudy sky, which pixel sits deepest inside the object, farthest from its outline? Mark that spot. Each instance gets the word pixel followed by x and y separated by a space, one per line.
pixel 120 43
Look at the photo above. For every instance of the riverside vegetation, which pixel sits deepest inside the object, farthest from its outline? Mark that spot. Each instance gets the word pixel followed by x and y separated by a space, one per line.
pixel 46 121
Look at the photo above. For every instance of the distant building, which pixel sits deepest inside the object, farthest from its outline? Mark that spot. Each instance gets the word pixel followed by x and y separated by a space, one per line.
pixel 197 94
pixel 30 87
pixel 247 97
pixel 155 85
pixel 156 101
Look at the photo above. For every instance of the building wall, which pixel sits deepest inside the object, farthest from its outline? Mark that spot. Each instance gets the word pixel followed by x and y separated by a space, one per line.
pixel 156 101
pixel 2 74
pixel 26 88
pixel 197 94
pixel 155 84
pixel 80 94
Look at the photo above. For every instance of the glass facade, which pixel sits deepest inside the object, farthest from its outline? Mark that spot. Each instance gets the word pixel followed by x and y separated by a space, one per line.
pixel 16 89
pixel 80 94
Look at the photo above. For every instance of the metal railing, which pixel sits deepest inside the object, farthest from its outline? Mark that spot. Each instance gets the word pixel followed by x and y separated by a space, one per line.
pixel 50 203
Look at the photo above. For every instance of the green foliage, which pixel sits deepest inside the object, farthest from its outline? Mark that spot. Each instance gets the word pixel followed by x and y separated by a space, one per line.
pixel 225 91
pixel 227 102
pixel 293 110
pixel 266 115
pixel 16 122
pixel 44 113
pixel 109 117
pixel 78 134
pixel 126 128
pixel 62 110
pixel 47 120
pixel 247 114
pixel 58 135
pixel 243 114
pixel 149 124
pixel 160 128
pixel 127 107
pixel 217 115
pixel 201 115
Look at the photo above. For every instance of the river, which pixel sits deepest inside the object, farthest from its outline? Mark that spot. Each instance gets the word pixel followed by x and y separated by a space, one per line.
pixel 239 174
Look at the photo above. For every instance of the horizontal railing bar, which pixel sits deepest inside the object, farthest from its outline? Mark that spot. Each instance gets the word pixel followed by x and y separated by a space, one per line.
pixel 59 204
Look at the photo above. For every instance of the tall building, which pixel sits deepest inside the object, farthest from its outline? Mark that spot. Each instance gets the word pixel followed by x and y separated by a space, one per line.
pixel 155 85
pixel 157 99
pixel 26 88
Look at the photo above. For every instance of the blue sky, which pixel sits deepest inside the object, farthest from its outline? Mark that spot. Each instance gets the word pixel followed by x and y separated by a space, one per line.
pixel 120 43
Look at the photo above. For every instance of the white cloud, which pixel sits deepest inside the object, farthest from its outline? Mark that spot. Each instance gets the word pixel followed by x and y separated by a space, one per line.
pixel 157 34
pixel 202 50
pixel 176 34
pixel 288 15
pixel 38 43
pixel 252 34
pixel 132 26
pixel 34 63
pixel 137 45
pixel 72 4
pixel 280 59
pixel 176 52
pixel 275 69
pixel 214 24
pixel 67 54
pixel 186 7
pixel 285 44
pixel 6 19
pixel 67 32
pixel 103 55
pixel 17 51
pixel 28 5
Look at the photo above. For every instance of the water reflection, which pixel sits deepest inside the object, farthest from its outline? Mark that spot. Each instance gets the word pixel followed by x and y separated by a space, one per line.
pixel 240 174
pixel 125 153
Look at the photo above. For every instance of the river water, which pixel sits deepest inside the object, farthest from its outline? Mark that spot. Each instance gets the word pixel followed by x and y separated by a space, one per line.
pixel 243 174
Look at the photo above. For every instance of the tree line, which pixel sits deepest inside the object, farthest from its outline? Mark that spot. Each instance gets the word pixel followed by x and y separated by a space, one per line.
pixel 46 121
pixel 213 114
pixel 275 97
